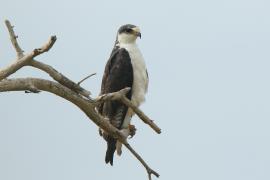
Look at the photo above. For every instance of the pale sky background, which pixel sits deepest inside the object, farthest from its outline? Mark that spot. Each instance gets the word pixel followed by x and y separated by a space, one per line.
pixel 209 90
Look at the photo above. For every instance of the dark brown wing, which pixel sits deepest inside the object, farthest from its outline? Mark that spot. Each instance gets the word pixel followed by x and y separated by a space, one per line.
pixel 118 74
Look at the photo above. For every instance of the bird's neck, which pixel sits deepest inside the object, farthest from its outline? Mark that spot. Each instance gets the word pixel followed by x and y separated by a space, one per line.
pixel 128 45
pixel 126 39
pixel 123 42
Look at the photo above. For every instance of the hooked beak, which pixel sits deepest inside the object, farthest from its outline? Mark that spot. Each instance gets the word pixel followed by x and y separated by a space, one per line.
pixel 137 32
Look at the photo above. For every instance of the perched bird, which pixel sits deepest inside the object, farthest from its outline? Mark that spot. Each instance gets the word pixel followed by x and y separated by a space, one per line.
pixel 125 68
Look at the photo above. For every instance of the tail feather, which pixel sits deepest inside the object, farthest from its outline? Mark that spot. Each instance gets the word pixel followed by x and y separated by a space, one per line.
pixel 111 147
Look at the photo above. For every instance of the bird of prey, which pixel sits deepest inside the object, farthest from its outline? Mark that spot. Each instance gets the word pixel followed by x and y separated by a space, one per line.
pixel 125 68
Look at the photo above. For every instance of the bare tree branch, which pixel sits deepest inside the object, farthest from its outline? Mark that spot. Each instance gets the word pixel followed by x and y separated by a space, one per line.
pixel 68 90
pixel 46 47
pixel 60 78
pixel 121 96
pixel 24 60
pixel 4 73
pixel 13 39
pixel 35 84
pixel 24 84
pixel 143 117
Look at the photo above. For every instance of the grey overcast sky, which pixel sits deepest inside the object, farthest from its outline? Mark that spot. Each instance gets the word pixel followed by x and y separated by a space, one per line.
pixel 209 90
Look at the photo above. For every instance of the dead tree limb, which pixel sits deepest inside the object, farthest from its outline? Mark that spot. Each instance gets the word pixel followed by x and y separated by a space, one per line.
pixel 121 96
pixel 24 84
pixel 24 60
pixel 60 78
pixel 67 89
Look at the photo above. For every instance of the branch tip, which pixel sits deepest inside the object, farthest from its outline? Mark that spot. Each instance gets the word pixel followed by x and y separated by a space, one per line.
pixel 45 48
pixel 86 78
pixel 13 39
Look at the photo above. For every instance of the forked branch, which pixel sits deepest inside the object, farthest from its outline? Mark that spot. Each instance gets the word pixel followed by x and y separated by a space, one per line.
pixel 67 89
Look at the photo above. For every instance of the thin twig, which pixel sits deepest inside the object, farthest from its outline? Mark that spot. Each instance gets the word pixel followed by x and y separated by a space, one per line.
pixel 148 169
pixel 79 83
pixel 13 39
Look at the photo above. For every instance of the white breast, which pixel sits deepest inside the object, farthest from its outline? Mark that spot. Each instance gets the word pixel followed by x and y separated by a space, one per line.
pixel 140 79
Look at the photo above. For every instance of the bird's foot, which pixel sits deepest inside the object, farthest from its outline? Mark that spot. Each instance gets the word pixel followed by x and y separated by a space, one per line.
pixel 132 130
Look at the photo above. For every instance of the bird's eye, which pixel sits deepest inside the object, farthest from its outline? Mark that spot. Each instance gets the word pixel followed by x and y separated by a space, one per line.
pixel 128 30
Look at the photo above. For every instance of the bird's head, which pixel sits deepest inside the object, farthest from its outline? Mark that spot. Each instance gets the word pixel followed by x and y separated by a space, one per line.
pixel 128 33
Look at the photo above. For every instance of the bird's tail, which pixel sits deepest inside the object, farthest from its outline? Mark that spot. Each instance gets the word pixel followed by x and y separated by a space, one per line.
pixel 111 146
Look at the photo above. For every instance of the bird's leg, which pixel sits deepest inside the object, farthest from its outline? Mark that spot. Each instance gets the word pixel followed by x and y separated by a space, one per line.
pixel 101 131
pixel 119 148
pixel 130 131
pixel 126 133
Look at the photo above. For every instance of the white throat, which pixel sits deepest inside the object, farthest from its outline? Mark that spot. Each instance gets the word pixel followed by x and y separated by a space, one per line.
pixel 126 38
